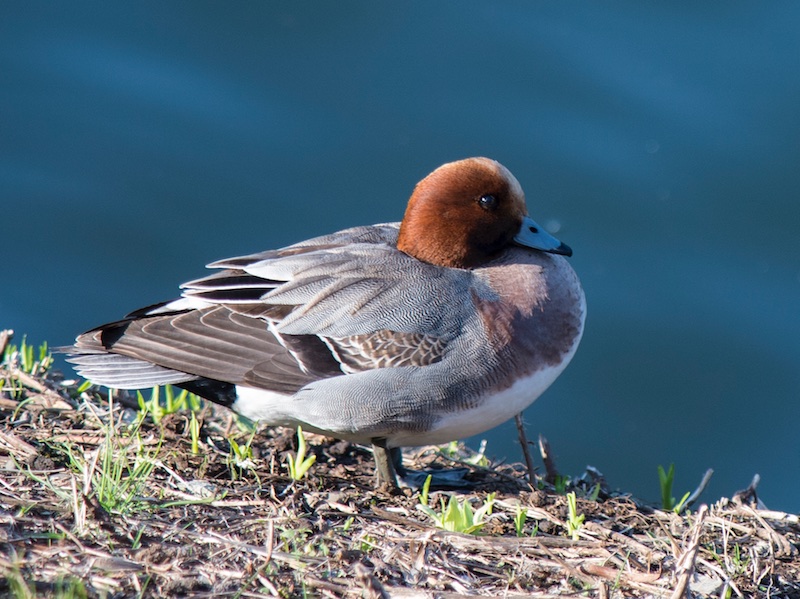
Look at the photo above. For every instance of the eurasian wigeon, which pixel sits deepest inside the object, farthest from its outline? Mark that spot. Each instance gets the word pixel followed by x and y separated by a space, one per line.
pixel 402 334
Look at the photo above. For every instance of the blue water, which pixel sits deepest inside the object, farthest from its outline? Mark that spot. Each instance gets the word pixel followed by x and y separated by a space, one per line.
pixel 140 141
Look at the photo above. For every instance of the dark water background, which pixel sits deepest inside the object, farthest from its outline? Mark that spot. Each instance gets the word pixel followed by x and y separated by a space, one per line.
pixel 140 141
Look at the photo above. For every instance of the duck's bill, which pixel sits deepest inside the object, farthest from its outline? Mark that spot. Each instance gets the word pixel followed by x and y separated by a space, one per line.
pixel 533 236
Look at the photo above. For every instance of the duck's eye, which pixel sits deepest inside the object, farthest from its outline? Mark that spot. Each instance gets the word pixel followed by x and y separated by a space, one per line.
pixel 488 202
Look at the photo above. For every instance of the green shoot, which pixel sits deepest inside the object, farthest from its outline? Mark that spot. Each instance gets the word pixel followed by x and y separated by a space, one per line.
pixel 194 431
pixel 120 480
pixel 241 456
pixel 368 543
pixel 665 479
pixel 137 539
pixel 738 563
pixel 26 358
pixel 478 458
pixel 14 386
pixel 172 402
pixel 458 516
pixel 182 401
pixel 574 520
pixel 240 453
pixel 519 520
pixel 681 505
pixel 426 487
pixel 300 464
pixel 151 406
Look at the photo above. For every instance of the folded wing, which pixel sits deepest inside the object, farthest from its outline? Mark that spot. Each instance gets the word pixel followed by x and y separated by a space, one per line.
pixel 279 320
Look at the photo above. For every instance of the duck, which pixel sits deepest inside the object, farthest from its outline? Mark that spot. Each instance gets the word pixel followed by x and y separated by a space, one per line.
pixel 436 328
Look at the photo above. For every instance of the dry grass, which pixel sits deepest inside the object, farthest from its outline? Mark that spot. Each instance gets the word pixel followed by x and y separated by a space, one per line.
pixel 179 524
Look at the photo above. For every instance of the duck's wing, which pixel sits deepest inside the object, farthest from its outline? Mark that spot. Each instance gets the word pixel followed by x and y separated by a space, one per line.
pixel 173 347
pixel 281 319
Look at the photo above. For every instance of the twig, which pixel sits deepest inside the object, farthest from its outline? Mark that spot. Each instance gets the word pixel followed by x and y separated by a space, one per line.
pixel 523 442
pixel 551 473
pixel 748 495
pixel 685 563
pixel 700 488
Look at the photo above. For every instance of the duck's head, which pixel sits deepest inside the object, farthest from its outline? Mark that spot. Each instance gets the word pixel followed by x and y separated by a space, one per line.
pixel 466 212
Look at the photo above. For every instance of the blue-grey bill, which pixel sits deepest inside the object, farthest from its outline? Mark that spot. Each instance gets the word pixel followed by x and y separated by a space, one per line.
pixel 533 236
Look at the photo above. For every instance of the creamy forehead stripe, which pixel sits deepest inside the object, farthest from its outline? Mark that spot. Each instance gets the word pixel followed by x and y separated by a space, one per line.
pixel 514 187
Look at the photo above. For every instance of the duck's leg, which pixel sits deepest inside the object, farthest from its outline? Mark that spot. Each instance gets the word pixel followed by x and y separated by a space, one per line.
pixel 385 462
pixel 389 465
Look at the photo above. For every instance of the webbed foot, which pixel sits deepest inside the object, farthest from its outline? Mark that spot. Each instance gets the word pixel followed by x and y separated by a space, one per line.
pixel 389 467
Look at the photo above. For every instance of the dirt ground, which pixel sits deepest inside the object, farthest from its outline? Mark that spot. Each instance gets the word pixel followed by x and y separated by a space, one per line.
pixel 97 502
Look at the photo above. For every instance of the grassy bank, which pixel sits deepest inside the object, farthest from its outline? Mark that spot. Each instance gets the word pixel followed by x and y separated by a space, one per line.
pixel 145 496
